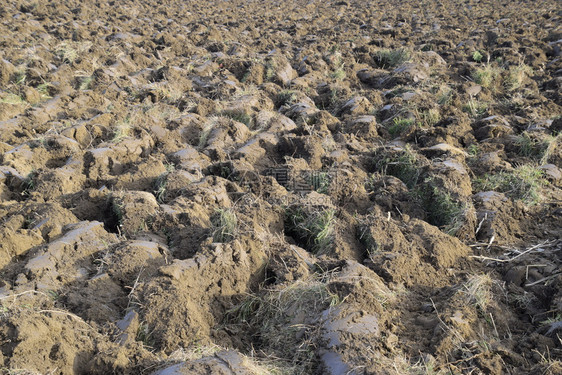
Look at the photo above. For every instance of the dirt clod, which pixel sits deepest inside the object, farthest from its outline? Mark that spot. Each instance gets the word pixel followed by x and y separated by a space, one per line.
pixel 280 187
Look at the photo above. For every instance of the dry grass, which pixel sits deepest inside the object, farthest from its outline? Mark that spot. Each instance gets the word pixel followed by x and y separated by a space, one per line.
pixel 549 365
pixel 387 58
pixel 478 291
pixel 206 131
pixel 475 107
pixel 488 76
pixel 69 51
pixel 121 131
pixel 516 76
pixel 252 364
pixel 280 318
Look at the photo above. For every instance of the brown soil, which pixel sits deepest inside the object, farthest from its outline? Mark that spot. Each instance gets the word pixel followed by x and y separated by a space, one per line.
pixel 280 187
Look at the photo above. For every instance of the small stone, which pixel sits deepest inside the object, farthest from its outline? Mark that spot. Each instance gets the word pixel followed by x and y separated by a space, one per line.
pixel 355 106
pixel 408 96
pixel 442 148
pixel 473 90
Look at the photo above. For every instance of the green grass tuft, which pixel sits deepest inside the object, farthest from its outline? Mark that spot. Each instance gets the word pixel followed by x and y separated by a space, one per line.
pixel 315 230
pixel 477 56
pixel 240 117
pixel 523 183
pixel 475 108
pixel 225 225
pixel 387 58
pixel 403 165
pixel 161 183
pixel 85 83
pixel 339 73
pixel 536 149
pixel 400 125
pixel 286 97
pixel 443 211
pixel 13 99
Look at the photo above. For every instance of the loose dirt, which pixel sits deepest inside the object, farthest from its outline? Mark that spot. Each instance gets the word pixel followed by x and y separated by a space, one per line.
pixel 280 187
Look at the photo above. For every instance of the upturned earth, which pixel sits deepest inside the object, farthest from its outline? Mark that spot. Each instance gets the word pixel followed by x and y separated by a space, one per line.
pixel 280 187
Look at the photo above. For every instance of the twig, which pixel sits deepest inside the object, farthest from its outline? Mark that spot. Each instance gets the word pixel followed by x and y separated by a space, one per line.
pixel 22 293
pixel 532 265
pixel 494 324
pixel 397 209
pixel 459 360
pixel 133 288
pixel 510 259
pixel 300 256
pixel 491 240
pixel 544 279
pixel 478 244
pixel 488 258
pixel 480 224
